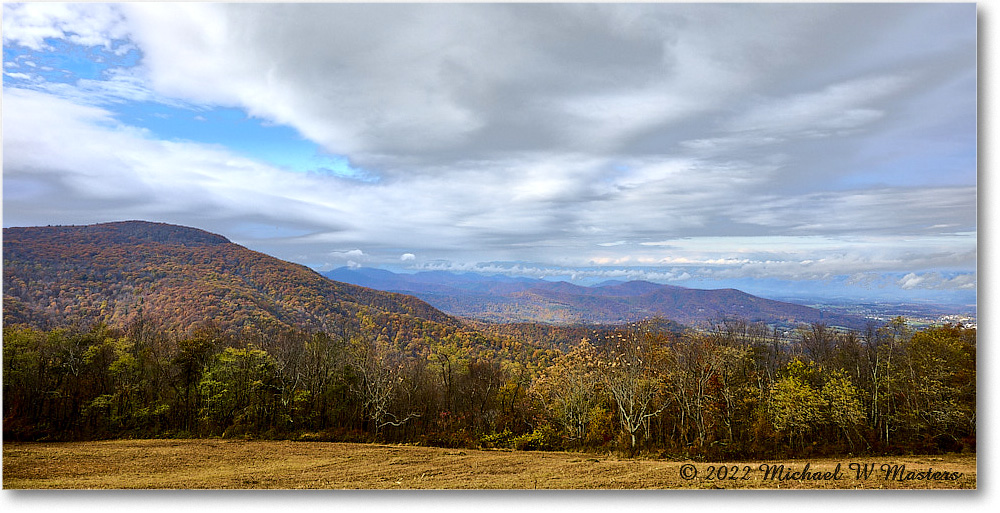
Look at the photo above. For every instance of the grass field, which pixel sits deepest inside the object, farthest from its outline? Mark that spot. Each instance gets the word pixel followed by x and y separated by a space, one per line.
pixel 216 464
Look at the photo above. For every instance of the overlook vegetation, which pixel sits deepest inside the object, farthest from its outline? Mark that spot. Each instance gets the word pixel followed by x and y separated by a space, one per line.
pixel 137 330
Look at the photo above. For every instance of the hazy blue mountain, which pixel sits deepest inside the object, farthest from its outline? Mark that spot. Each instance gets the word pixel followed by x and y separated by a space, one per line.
pixel 505 299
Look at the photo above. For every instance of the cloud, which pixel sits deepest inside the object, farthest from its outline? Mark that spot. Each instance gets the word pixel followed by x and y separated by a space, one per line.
pixel 103 169
pixel 24 76
pixel 937 281
pixel 482 79
pixel 515 269
pixel 118 86
pixel 797 141
pixel 85 24
pixel 833 109
pixel 899 210
pixel 354 253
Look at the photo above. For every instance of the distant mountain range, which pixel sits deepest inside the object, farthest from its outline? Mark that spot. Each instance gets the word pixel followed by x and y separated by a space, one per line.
pixel 180 277
pixel 506 299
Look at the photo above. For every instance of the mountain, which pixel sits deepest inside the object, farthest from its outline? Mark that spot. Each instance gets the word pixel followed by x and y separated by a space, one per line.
pixel 504 299
pixel 179 277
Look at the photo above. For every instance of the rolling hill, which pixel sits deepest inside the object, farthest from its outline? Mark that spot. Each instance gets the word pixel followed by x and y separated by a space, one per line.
pixel 178 277
pixel 505 299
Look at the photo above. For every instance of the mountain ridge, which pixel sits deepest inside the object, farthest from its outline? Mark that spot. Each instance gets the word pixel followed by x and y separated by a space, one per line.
pixel 113 272
pixel 485 298
pixel 181 276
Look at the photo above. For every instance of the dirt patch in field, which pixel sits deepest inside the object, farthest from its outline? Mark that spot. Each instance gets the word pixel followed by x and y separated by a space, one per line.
pixel 218 464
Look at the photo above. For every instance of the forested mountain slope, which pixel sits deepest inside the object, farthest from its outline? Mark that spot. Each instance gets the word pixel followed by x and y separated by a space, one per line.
pixel 177 277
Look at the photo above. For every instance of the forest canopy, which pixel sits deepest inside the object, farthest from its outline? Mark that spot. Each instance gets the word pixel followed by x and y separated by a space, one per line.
pixel 736 390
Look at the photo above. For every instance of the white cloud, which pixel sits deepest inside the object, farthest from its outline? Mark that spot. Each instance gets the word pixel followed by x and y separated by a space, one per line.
pixel 104 167
pixel 23 76
pixel 572 273
pixel 937 281
pixel 354 253
pixel 487 78
pixel 567 135
pixel 86 24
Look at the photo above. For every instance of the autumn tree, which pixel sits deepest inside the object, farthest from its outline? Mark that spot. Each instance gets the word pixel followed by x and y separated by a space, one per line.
pixel 796 408
pixel 940 368
pixel 631 369
pixel 703 382
pixel 569 389
pixel 322 360
pixel 379 374
pixel 480 386
pixel 817 342
pixel 883 352
pixel 843 403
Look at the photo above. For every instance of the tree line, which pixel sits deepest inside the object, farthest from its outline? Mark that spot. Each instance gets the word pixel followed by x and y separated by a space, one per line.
pixel 734 390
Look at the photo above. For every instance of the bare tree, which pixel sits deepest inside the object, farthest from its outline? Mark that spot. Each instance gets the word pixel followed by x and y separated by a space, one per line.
pixel 702 370
pixel 380 373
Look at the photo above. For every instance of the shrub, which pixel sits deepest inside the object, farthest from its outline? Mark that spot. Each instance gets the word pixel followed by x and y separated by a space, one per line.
pixel 543 438
pixel 496 440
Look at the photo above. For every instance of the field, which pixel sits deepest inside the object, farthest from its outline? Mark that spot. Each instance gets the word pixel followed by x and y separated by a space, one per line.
pixel 216 464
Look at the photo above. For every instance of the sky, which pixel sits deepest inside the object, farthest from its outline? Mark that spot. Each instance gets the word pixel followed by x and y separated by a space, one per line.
pixel 810 149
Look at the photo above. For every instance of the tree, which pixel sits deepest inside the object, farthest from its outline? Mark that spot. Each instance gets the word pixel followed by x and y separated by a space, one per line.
pixel 27 380
pixel 192 356
pixel 843 403
pixel 703 382
pixel 379 373
pixel 239 390
pixel 795 407
pixel 817 342
pixel 569 389
pixel 940 368
pixel 451 361
pixel 632 371
pixel 481 385
pixel 883 353
pixel 323 357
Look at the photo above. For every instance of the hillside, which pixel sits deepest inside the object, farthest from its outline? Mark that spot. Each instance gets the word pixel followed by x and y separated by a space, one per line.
pixel 178 277
pixel 504 299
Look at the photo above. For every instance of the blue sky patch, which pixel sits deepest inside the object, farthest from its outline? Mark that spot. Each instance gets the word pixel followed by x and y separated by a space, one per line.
pixel 67 62
pixel 279 145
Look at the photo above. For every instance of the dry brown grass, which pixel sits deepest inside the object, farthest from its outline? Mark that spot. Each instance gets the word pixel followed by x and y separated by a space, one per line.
pixel 287 465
